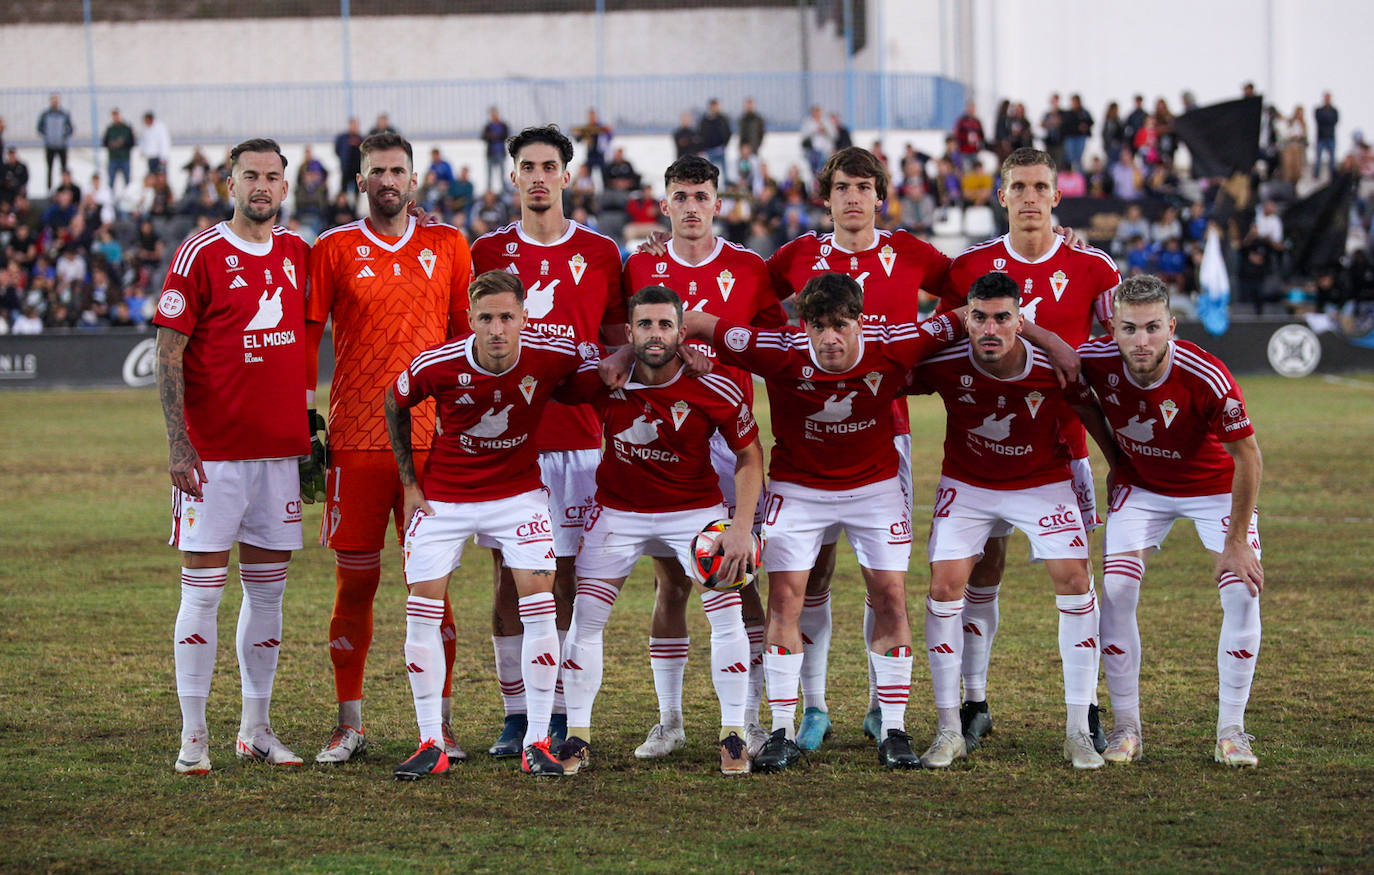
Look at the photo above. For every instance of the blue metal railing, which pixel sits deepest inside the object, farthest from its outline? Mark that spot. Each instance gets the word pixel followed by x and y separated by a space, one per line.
pixel 315 112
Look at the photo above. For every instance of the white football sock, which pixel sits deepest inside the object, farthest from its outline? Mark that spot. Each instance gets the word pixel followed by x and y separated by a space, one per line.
pixel 815 626
pixel 668 660
pixel 944 650
pixel 424 652
pixel 584 651
pixel 259 633
pixel 894 687
pixel 870 620
pixel 351 714
pixel 1078 652
pixel 979 623
pixel 755 695
pixel 560 702
pixel 507 648
pixel 783 671
pixel 539 658
pixel 1237 650
pixel 1120 635
pixel 195 639
pixel 729 654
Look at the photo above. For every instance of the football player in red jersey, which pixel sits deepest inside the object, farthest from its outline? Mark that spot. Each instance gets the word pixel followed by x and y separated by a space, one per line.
pixel 231 373
pixel 1005 463
pixel 1186 450
pixel 1064 290
pixel 714 276
pixel 831 386
pixel 492 390
pixel 657 488
pixel 572 281
pixel 392 287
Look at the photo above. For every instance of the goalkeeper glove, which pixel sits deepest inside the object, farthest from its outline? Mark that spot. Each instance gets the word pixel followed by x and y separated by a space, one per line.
pixel 312 467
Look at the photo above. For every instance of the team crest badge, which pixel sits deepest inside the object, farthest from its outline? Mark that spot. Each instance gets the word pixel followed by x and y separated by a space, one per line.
pixel 966 381
pixel 267 276
pixel 692 288
pixel 1059 282
pixel 807 372
pixel 1033 401
pixel 527 387
pixel 544 267
pixel 999 264
pixel 872 379
pixel 888 256
pixel 1169 410
pixel 190 517
pixel 578 265
pixel 1112 380
pixel 427 260
pixel 231 262
pixel 853 262
pixel 290 269
pixel 465 379
pixel 725 281
pixel 364 251
pixel 511 246
pixel 680 411
pixel 825 250
pixel 661 269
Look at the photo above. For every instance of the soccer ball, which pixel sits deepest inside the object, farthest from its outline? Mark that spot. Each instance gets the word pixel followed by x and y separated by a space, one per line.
pixel 707 561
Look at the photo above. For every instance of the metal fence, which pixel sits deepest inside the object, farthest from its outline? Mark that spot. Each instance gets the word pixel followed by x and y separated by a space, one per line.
pixel 447 108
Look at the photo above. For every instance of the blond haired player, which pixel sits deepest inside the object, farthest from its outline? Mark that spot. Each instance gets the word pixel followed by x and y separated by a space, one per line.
pixel 392 287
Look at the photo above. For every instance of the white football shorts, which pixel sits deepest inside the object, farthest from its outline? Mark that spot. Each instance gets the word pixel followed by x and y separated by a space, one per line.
pixel 966 515
pixel 570 478
pixel 518 525
pixel 255 502
pixel 876 518
pixel 614 539
pixel 1138 519
pixel 903 444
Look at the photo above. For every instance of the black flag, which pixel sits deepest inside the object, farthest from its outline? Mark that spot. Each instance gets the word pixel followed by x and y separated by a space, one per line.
pixel 1223 138
pixel 1317 225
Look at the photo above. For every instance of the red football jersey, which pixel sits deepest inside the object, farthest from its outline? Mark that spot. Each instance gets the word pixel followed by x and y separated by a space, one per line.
pixel 486 448
pixel 891 272
pixel 1065 291
pixel 658 453
pixel 1170 434
pixel 832 431
pixel 732 283
pixel 572 288
pixel 999 434
pixel 390 298
pixel 242 305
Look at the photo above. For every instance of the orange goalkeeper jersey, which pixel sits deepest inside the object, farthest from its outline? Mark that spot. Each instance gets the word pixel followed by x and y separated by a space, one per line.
pixel 390 298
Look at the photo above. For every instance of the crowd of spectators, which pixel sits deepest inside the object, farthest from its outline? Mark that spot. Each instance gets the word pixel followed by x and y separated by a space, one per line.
pixel 94 257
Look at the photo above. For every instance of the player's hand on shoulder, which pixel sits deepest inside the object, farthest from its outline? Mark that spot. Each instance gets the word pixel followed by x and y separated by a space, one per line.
pixel 614 369
pixel 655 244
pixel 1071 238
pixel 423 216
pixel 695 362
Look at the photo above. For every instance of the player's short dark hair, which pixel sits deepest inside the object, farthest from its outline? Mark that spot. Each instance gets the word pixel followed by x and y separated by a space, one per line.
pixel 496 282
pixel 1028 157
pixel 383 140
pixel 830 296
pixel 853 161
pixel 1141 289
pixel 257 144
pixel 994 285
pixel 654 295
pixel 691 170
pixel 549 135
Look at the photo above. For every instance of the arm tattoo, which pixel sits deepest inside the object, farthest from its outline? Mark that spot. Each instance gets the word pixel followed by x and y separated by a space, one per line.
pixel 171 386
pixel 398 428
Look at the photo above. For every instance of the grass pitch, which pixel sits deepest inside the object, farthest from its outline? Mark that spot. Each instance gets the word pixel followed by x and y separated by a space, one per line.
pixel 89 722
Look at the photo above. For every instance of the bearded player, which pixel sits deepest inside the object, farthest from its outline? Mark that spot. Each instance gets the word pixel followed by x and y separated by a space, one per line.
pixel 572 280
pixel 1064 289
pixel 711 275
pixel 1005 463
pixel 231 373
pixel 1186 450
pixel 655 492
pixel 392 287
